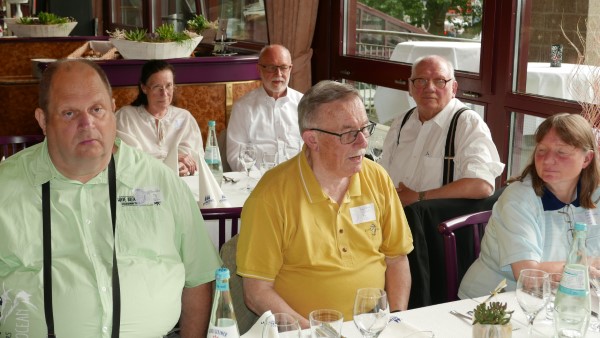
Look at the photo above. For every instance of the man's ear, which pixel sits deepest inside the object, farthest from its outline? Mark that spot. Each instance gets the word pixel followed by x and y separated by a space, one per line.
pixel 310 139
pixel 40 116
pixel 114 105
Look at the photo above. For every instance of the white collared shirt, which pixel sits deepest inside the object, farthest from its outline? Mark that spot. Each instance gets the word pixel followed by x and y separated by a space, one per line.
pixel 414 155
pixel 265 122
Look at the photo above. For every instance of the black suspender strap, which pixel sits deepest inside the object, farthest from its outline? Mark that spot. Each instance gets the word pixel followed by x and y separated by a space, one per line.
pixel 47 269
pixel 406 117
pixel 116 292
pixel 47 248
pixel 449 152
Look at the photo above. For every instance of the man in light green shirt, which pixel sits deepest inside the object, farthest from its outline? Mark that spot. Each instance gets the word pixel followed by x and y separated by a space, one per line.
pixel 165 259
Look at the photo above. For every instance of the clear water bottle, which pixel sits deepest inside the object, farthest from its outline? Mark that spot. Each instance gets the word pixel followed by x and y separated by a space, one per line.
pixel 222 317
pixel 572 304
pixel 212 156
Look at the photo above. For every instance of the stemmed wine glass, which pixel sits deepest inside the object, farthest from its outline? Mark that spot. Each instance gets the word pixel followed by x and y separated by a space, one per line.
pixel 376 147
pixel 371 311
pixel 533 293
pixel 281 325
pixel 248 159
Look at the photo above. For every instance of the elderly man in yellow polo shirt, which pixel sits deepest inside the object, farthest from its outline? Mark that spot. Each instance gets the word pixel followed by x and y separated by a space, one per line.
pixel 325 223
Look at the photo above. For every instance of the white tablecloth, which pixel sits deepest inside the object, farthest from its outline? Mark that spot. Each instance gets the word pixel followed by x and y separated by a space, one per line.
pixel 234 192
pixel 437 319
pixel 541 78
pixel 463 56
pixel 569 82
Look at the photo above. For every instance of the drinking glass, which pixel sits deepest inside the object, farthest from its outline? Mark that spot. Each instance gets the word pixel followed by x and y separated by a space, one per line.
pixel 248 159
pixel 291 150
pixel 326 323
pixel 376 147
pixel 554 280
pixel 269 160
pixel 371 311
pixel 533 293
pixel 281 325
pixel 594 269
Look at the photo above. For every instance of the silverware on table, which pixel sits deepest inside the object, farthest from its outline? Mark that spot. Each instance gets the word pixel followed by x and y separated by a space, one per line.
pixel 230 179
pixel 462 316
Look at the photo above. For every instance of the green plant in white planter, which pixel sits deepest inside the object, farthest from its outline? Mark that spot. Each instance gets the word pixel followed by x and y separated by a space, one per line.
pixel 201 25
pixel 44 25
pixel 163 43
pixel 492 320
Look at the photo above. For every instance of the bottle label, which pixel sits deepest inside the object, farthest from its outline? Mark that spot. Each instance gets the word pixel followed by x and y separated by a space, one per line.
pixel 574 281
pixel 223 285
pixel 227 329
pixel 210 155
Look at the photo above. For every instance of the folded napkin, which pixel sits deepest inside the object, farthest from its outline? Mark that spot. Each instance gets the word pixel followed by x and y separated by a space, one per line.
pixel 256 330
pixel 399 328
pixel 210 193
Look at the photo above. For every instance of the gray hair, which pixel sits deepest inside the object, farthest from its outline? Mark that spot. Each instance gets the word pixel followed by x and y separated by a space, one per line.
pixel 430 58
pixel 323 92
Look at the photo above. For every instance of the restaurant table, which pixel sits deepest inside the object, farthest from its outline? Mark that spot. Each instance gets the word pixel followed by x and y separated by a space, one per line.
pixel 437 318
pixel 569 82
pixel 235 193
pixel 465 56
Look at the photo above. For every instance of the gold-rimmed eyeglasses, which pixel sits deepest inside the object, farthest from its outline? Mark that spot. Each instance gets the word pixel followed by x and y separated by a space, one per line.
pixel 351 136
pixel 421 83
pixel 274 68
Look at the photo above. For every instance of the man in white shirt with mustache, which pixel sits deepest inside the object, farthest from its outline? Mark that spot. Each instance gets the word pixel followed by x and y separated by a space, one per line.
pixel 267 117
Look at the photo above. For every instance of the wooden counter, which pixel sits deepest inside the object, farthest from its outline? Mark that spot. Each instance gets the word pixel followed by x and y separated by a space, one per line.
pixel 206 86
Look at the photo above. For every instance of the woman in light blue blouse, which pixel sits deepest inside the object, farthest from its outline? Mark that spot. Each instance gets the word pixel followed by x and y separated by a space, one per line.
pixel 531 223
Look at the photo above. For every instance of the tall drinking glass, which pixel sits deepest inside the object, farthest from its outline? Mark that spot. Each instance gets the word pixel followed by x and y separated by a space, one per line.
pixel 533 293
pixel 371 311
pixel 248 159
pixel 554 280
pixel 281 325
pixel 269 160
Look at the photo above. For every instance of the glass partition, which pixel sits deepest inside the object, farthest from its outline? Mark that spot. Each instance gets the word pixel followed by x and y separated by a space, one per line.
pixel 403 30
pixel 522 141
pixel 557 53
pixel 241 20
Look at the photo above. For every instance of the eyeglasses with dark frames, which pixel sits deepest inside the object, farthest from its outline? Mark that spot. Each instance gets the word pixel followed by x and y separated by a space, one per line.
pixel 351 136
pixel 274 68
pixel 421 83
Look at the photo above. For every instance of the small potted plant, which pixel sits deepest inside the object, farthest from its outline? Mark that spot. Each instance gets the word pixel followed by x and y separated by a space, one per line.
pixel 44 25
pixel 164 43
pixel 200 25
pixel 492 320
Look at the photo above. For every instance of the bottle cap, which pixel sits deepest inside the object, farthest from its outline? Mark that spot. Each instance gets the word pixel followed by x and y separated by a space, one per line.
pixel 580 226
pixel 211 123
pixel 222 273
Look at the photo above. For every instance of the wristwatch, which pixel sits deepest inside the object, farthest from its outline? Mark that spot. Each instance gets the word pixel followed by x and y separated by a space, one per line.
pixel 421 196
